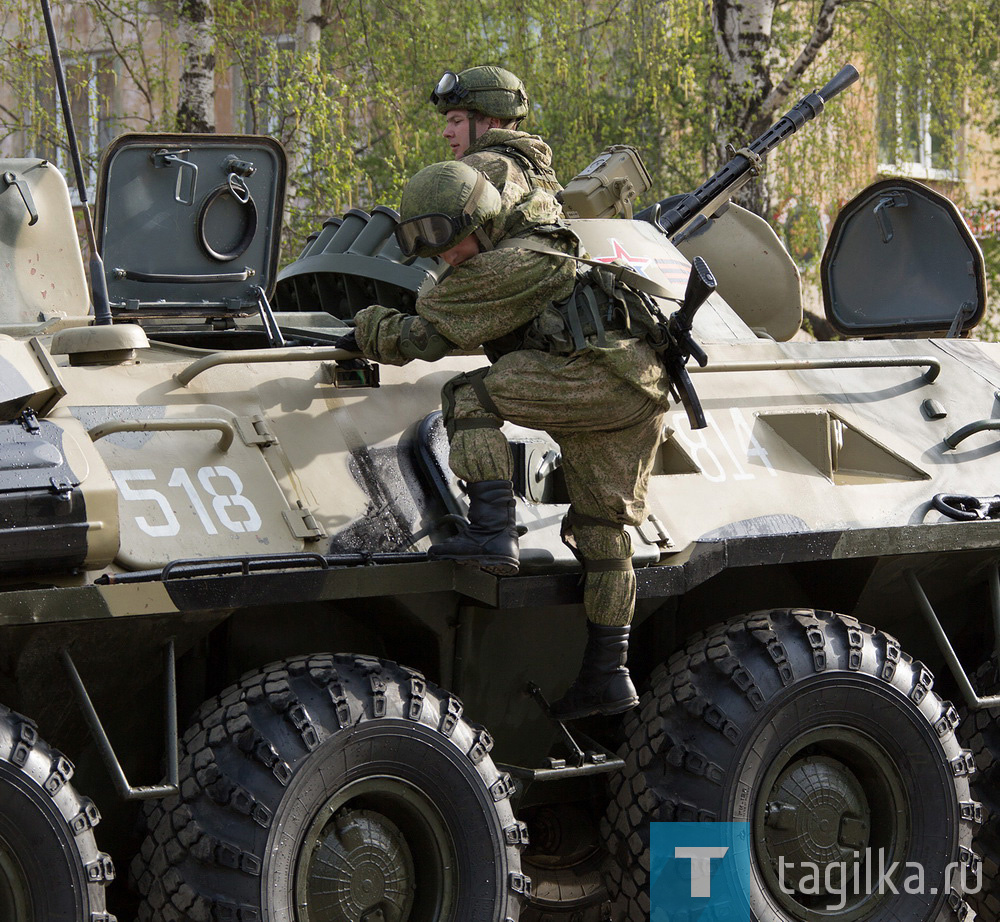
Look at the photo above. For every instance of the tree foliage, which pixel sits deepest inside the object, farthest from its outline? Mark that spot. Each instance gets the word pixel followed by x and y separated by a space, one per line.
pixel 344 84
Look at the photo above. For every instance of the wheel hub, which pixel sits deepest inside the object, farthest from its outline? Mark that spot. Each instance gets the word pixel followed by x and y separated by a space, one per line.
pixel 817 814
pixel 14 900
pixel 361 870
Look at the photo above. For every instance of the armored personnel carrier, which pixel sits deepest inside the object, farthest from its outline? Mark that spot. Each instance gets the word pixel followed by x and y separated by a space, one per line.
pixel 220 631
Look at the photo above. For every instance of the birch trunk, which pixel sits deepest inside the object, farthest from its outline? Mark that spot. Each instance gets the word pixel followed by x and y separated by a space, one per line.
pixel 743 40
pixel 196 102
pixel 309 27
pixel 749 98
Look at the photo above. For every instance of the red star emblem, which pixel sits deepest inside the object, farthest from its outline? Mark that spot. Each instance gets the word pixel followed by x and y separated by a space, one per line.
pixel 638 263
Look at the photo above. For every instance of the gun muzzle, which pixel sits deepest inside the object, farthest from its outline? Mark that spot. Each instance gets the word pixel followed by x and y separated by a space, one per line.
pixel 847 75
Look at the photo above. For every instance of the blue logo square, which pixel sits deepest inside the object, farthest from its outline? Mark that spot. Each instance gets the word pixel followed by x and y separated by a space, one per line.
pixel 695 872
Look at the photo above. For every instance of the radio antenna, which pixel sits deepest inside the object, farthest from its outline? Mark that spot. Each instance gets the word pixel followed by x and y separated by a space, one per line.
pixel 98 282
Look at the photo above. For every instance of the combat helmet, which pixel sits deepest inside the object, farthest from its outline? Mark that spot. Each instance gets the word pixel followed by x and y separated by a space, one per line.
pixel 489 90
pixel 442 205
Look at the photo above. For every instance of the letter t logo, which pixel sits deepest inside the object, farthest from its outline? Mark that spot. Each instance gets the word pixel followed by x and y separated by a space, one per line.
pixel 701 865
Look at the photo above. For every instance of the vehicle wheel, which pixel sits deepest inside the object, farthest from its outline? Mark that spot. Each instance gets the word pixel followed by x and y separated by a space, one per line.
pixel 565 862
pixel 798 722
pixel 980 732
pixel 50 867
pixel 333 789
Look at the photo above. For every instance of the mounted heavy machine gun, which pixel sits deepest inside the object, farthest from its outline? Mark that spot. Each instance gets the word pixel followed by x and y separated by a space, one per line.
pixel 680 216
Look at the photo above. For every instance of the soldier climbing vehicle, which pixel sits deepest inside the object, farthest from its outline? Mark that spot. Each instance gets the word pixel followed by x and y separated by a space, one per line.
pixel 206 509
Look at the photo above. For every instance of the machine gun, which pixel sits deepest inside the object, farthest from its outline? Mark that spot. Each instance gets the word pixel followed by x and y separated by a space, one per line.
pixel 681 216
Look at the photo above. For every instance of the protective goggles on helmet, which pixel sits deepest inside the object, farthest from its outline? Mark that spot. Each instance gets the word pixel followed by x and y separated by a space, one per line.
pixel 449 89
pixel 439 231
pixel 436 231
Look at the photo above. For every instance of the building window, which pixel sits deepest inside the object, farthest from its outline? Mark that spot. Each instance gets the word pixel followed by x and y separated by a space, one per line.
pixel 911 138
pixel 91 81
pixel 258 81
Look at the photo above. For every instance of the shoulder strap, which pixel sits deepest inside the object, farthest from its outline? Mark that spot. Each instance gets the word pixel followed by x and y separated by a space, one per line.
pixel 545 175
pixel 622 273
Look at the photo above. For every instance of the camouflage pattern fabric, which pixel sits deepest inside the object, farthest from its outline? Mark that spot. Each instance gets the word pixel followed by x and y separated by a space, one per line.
pixel 487 296
pixel 603 405
pixel 508 172
pixel 608 597
pixel 608 432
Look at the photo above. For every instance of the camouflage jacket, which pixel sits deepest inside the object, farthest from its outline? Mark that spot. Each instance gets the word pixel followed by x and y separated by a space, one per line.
pixel 496 293
pixel 513 158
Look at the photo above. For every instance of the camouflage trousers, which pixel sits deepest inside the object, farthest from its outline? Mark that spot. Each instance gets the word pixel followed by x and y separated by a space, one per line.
pixel 608 433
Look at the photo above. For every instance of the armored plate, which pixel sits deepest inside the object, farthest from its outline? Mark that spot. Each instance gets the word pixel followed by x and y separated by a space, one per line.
pixel 902 260
pixel 36 219
pixel 190 222
pixel 756 276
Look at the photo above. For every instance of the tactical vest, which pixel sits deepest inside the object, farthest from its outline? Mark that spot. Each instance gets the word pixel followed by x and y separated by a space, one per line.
pixel 601 301
pixel 538 177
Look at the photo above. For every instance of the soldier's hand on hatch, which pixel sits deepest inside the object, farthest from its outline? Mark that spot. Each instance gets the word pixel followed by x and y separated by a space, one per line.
pixel 348 342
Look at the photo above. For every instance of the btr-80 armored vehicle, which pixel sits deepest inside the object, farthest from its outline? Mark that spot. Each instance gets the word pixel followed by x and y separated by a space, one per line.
pixel 206 509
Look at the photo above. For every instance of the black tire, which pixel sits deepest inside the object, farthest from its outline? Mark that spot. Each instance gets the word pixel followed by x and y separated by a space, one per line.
pixel 576 894
pixel 980 731
pixel 336 782
pixel 565 861
pixel 751 708
pixel 50 867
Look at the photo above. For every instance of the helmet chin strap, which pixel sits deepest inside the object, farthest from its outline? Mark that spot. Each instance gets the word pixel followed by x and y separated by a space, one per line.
pixel 473 118
pixel 485 244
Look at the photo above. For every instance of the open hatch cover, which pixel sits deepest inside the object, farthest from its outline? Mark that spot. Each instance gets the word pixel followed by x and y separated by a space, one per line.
pixel 189 224
pixel 901 260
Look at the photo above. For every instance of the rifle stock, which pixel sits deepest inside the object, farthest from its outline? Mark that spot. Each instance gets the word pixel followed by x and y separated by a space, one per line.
pixel 681 345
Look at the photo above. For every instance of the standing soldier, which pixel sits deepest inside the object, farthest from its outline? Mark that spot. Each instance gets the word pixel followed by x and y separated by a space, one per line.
pixel 483 107
pixel 563 362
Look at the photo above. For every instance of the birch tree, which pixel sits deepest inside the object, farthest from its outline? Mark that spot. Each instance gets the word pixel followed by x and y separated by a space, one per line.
pixel 766 54
pixel 196 102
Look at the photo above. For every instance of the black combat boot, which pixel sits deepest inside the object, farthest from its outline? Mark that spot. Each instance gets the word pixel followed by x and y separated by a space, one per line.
pixel 603 685
pixel 490 538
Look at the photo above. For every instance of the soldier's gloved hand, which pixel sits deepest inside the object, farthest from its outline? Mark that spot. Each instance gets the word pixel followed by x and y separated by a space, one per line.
pixel 348 342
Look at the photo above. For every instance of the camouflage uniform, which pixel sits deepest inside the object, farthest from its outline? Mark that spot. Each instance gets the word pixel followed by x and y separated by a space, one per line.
pixel 513 160
pixel 603 406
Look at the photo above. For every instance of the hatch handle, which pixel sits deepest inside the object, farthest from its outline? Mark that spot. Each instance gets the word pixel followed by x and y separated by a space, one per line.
pixel 12 179
pixel 165 425
pixel 165 158
pixel 255 356
pixel 892 200
pixel 156 278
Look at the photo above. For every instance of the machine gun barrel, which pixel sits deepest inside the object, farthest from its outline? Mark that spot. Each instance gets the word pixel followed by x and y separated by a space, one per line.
pixel 711 195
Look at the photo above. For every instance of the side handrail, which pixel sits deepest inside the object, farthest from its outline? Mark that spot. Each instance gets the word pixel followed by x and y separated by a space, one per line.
pixel 980 425
pixel 875 361
pixel 257 356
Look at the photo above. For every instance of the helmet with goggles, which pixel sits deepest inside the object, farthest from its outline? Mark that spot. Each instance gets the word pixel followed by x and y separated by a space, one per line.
pixel 489 90
pixel 442 205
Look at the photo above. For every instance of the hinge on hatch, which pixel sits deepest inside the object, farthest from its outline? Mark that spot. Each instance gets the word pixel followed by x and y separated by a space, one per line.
pixel 255 431
pixel 302 523
pixel 28 420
